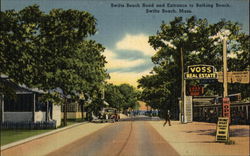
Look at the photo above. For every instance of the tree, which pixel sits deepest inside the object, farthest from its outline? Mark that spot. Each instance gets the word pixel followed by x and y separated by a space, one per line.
pixel 130 96
pixel 121 97
pixel 200 43
pixel 51 51
pixel 113 96
pixel 155 92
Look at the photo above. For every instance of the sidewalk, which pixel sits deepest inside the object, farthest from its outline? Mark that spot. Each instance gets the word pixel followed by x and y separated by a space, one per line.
pixel 198 139
pixel 49 142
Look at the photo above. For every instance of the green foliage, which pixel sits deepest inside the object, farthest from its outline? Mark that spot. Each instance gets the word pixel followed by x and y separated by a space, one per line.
pixel 129 96
pixel 121 97
pixel 50 51
pixel 113 96
pixel 194 37
pixel 53 97
pixel 6 91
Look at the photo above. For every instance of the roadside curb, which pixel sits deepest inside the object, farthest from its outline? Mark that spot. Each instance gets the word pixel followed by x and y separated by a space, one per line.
pixel 4 147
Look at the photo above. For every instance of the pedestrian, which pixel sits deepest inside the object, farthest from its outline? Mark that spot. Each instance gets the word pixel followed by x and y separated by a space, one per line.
pixel 167 119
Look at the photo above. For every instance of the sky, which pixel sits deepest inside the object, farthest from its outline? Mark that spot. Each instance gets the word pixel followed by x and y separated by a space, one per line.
pixel 124 26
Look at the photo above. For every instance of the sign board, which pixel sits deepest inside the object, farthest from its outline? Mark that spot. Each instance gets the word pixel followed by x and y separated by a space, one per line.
pixel 226 107
pixel 201 72
pixel 196 90
pixel 207 81
pixel 188 108
pixel 235 77
pixel 222 129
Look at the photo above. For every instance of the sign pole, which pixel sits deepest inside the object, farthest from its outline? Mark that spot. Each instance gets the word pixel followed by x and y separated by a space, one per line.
pixel 226 100
pixel 225 94
pixel 184 102
pixel 182 88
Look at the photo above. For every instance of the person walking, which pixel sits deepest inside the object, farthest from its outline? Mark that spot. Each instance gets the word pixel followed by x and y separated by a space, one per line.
pixel 167 119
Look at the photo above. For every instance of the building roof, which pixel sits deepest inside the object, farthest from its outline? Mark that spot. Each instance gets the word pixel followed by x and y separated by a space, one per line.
pixel 203 100
pixel 18 88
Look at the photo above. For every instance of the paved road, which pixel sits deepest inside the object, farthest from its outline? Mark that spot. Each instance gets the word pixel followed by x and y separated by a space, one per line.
pixel 128 138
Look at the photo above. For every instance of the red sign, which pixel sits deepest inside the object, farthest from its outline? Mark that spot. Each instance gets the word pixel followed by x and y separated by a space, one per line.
pixel 196 90
pixel 226 107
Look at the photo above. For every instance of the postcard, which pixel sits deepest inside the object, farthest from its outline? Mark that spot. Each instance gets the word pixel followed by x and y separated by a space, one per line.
pixel 125 77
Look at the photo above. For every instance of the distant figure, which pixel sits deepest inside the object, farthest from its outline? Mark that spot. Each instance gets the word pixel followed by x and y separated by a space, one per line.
pixel 167 119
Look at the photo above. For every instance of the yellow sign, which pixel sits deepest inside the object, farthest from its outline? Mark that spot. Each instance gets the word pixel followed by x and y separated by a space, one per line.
pixel 200 72
pixel 235 77
pixel 200 69
pixel 222 130
pixel 200 76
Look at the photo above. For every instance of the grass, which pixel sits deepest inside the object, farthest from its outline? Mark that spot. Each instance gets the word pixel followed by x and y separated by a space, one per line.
pixel 9 136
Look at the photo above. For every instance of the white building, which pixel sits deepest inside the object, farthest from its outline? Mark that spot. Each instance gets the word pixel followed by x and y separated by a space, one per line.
pixel 25 105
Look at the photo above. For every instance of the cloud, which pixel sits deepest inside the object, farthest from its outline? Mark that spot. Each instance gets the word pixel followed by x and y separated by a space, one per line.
pixel 136 43
pixel 139 68
pixel 129 60
pixel 118 78
pixel 113 62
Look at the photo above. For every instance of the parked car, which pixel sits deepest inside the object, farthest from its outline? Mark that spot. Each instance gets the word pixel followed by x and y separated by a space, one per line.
pixel 110 115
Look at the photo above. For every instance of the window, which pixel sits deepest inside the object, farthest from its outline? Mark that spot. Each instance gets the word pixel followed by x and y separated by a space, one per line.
pixel 21 103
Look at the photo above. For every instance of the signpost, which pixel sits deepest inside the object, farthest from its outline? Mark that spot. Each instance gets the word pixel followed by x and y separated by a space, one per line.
pixel 222 130
pixel 223 133
pixel 225 67
pixel 201 72
pixel 183 88
pixel 196 90
pixel 226 108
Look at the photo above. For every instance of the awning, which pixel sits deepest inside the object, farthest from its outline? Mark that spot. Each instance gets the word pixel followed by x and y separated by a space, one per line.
pixel 19 89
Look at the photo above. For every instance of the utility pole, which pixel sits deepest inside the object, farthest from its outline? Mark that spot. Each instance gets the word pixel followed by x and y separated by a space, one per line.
pixel 225 93
pixel 226 100
pixel 182 88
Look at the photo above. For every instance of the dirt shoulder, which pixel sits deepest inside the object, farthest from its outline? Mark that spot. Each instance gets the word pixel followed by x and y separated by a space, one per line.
pixel 198 139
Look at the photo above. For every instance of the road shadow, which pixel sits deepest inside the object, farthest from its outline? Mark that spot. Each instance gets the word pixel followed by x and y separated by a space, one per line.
pixel 204 142
pixel 211 132
pixel 239 132
pixel 136 118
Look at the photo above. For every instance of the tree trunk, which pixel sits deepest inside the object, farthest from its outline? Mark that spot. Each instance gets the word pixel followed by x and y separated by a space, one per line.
pixel 65 112
pixel 34 108
pixel 82 110
pixel 47 111
pixel 2 107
